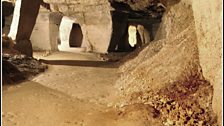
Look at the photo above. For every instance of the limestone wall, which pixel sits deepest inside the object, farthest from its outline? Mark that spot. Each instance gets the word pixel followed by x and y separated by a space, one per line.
pixel 173 58
pixel 40 37
pixel 208 24
pixel 93 16
pixel 189 41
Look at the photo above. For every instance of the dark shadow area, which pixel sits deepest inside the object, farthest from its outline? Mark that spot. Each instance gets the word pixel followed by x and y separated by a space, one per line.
pixel 126 13
pixel 152 11
pixel 81 63
pixel 121 21
pixel 11 74
pixel 45 5
pixel 76 36
pixel 17 68
pixel 154 28
pixel 118 41
pixel 119 6
pixel 7 10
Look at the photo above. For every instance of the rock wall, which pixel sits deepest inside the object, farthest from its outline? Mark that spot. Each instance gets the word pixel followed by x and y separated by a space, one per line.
pixel 178 16
pixel 188 43
pixel 93 16
pixel 40 37
pixel 164 61
pixel 208 24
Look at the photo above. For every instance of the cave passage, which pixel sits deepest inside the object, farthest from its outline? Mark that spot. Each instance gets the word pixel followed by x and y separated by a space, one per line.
pixel 76 36
pixel 109 63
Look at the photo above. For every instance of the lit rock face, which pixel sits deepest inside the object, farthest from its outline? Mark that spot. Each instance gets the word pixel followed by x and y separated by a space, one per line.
pixel 93 16
pixel 41 30
pixel 65 29
pixel 132 38
pixel 168 59
pixel 189 44
pixel 208 22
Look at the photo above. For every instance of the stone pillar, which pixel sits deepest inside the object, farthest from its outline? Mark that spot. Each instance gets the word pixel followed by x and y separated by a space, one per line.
pixel 98 27
pixel 24 19
pixel 144 34
pixel 132 35
pixel 54 23
pixel 40 37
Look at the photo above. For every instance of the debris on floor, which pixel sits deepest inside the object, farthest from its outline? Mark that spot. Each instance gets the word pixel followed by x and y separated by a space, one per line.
pixel 16 66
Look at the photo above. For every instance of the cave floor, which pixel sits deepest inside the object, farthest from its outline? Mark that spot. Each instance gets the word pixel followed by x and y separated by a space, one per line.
pixel 76 90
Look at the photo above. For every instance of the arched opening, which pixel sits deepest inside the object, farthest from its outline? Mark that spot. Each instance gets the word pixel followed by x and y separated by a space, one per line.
pixel 71 36
pixel 76 36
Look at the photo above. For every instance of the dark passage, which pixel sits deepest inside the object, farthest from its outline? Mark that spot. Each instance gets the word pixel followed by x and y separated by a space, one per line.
pixel 76 36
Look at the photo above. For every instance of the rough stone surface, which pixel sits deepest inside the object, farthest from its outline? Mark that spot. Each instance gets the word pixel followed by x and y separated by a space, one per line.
pixel 174 20
pixel 208 23
pixel 155 68
pixel 183 67
pixel 55 18
pixel 158 56
pixel 54 23
pixel 94 18
pixel 40 36
pixel 180 54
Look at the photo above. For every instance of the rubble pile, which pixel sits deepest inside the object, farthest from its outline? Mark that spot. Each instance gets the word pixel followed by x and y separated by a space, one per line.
pixel 182 103
pixel 16 66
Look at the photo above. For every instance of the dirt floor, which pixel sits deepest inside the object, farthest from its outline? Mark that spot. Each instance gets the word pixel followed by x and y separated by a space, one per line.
pixel 76 90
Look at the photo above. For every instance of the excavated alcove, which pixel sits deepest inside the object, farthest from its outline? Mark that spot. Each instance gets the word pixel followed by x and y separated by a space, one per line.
pixel 70 36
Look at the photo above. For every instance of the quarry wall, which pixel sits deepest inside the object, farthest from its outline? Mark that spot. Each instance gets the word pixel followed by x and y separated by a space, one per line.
pixel 93 16
pixel 188 42
pixel 204 19
pixel 208 24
